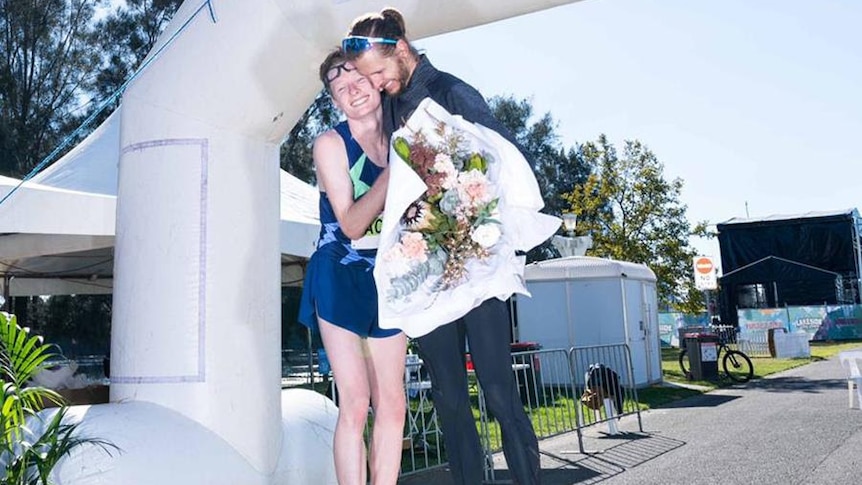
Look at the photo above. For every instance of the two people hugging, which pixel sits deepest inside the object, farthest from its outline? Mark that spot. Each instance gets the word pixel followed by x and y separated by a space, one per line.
pixel 377 79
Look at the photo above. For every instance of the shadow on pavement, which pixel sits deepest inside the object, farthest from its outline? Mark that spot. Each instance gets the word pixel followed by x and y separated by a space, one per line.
pixel 623 435
pixel 702 401
pixel 631 453
pixel 569 468
pixel 798 384
pixel 557 476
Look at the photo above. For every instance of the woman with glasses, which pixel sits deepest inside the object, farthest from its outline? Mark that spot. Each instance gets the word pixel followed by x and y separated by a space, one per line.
pixel 378 47
pixel 339 295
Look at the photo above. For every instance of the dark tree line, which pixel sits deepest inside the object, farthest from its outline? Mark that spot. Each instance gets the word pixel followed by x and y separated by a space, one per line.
pixel 296 149
pixel 80 325
pixel 125 37
pixel 47 58
pixel 58 62
pixel 558 170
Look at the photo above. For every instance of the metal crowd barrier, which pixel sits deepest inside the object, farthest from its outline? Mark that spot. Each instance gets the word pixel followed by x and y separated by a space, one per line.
pixel 545 384
pixel 422 445
pixel 423 439
pixel 608 368
pixel 550 383
pixel 544 381
pixel 754 344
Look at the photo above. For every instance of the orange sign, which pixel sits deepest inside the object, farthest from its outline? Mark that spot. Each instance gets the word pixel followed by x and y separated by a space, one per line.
pixel 705 277
pixel 704 265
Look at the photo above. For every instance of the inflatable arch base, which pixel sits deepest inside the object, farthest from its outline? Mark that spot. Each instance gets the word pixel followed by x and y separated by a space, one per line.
pixel 159 445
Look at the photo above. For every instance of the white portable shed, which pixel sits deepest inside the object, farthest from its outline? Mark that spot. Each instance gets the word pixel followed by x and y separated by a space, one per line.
pixel 584 301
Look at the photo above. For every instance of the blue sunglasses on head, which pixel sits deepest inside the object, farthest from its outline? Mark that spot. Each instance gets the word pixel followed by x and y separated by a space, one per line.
pixel 361 43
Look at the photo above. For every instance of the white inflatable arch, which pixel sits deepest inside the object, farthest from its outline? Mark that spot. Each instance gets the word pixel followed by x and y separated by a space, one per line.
pixel 196 350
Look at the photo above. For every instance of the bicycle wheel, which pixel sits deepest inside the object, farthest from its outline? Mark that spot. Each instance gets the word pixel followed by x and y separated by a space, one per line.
pixel 737 366
pixel 683 363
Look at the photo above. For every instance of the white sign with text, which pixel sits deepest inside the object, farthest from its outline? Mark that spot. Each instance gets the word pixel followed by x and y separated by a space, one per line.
pixel 704 273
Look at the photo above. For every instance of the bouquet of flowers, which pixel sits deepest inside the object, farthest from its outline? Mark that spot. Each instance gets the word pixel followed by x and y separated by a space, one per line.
pixel 450 233
pixel 456 220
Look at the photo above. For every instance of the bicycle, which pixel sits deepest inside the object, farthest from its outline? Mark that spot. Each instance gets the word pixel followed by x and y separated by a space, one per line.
pixel 736 365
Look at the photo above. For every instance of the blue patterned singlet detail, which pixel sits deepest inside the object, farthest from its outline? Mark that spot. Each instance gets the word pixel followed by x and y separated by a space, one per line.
pixel 339 284
pixel 363 173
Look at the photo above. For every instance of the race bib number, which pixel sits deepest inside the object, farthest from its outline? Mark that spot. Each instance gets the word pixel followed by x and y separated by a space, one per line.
pixel 371 239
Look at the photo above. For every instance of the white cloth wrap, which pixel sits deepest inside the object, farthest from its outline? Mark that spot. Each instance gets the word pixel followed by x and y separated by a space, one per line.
pixel 523 227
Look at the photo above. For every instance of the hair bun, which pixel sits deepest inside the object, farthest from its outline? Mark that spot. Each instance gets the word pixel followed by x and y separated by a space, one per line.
pixel 393 14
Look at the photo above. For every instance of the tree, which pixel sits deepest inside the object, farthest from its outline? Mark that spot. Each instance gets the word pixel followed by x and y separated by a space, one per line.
pixel 634 214
pixel 79 324
pixel 126 36
pixel 46 56
pixel 558 171
pixel 296 156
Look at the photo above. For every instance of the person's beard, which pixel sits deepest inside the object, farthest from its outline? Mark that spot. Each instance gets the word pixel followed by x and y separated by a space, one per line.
pixel 404 75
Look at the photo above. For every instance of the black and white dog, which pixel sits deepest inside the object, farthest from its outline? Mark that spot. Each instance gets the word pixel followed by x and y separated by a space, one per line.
pixel 606 383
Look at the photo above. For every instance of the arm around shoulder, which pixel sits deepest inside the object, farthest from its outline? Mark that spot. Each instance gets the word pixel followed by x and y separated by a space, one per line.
pixel 354 216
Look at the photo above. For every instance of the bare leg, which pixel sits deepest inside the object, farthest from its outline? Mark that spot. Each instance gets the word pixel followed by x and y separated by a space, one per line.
pixel 347 354
pixel 386 376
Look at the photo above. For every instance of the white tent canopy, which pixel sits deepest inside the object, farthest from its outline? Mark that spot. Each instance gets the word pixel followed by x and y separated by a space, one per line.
pixel 54 241
pixel 57 229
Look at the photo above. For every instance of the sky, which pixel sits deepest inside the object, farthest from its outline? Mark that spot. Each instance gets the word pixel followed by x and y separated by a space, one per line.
pixel 755 104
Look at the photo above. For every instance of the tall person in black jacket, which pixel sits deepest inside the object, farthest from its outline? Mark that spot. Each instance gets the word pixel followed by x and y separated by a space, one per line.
pixel 379 49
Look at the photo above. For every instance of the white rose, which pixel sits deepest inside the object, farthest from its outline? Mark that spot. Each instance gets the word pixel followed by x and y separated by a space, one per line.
pixel 486 235
pixel 398 263
pixel 443 164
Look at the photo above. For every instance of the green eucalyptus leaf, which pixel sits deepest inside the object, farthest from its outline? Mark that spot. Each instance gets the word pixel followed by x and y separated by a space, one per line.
pixel 476 162
pixel 402 148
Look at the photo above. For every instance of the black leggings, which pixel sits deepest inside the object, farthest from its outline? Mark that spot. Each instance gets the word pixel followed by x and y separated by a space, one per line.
pixel 486 328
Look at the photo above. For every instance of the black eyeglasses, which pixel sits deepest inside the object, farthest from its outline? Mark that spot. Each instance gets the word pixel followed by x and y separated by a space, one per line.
pixel 335 71
pixel 361 43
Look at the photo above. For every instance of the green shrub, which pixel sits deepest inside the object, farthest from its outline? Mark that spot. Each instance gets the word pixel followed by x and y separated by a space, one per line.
pixel 31 443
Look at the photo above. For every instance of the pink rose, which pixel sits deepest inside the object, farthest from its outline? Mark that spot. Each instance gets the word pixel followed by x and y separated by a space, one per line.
pixel 414 247
pixel 473 188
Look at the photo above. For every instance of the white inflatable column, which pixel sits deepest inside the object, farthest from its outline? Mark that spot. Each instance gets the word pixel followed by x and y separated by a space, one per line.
pixel 196 317
pixel 197 293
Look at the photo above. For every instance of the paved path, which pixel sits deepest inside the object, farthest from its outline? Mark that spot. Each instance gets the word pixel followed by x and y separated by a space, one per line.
pixel 790 428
